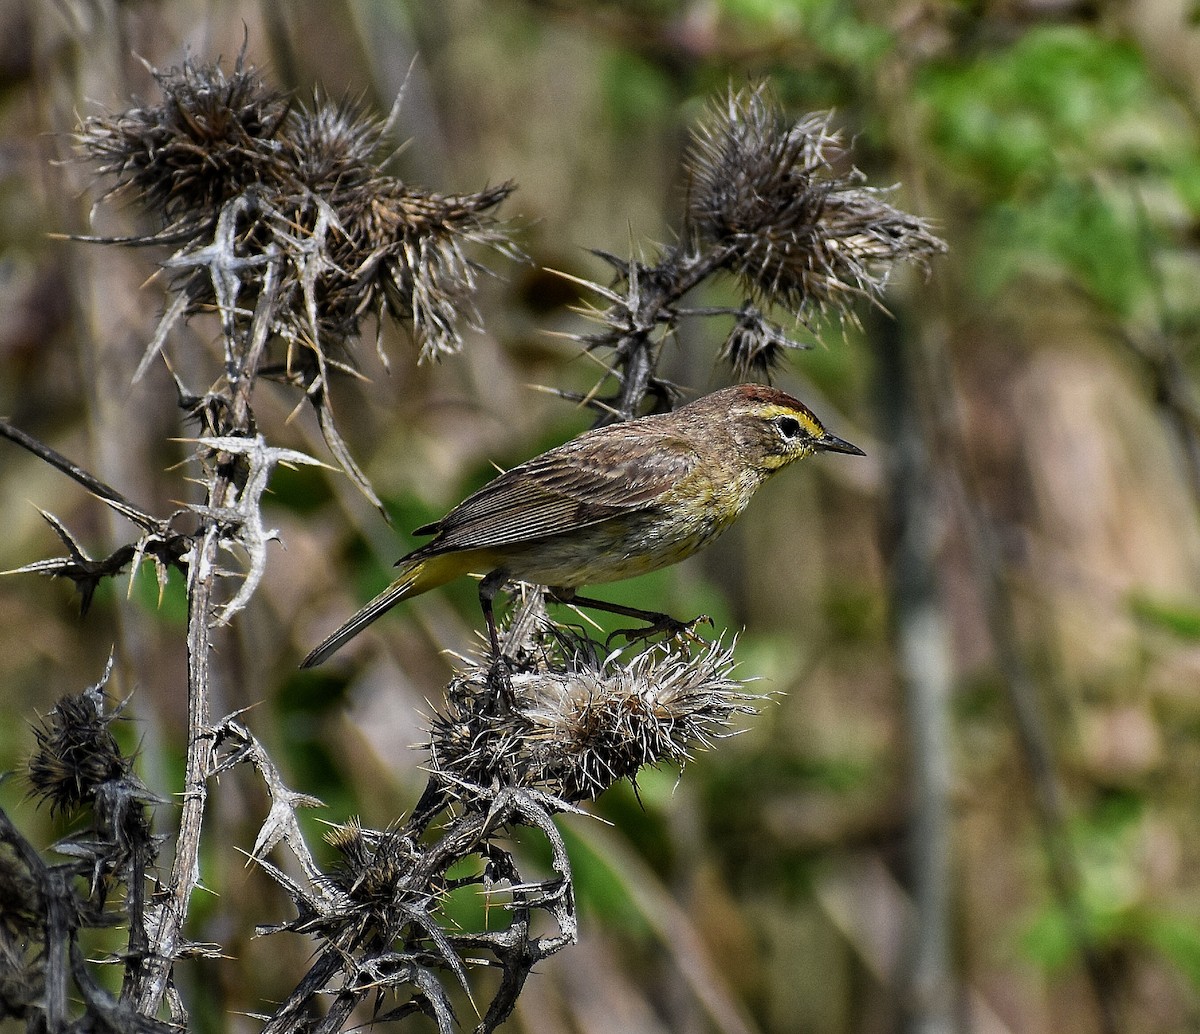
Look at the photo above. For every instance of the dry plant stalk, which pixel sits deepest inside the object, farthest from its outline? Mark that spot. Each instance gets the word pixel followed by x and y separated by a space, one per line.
pixel 279 220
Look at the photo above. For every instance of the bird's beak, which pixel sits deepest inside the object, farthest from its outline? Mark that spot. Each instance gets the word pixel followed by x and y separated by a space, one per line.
pixel 831 443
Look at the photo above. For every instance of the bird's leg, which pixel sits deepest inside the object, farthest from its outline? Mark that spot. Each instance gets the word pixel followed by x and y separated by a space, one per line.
pixel 656 621
pixel 487 592
pixel 498 675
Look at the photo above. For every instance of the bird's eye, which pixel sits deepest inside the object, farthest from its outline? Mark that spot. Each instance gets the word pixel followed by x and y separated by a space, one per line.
pixel 788 426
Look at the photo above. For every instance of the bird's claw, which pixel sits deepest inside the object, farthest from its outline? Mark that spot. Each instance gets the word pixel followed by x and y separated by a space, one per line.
pixel 666 626
pixel 687 629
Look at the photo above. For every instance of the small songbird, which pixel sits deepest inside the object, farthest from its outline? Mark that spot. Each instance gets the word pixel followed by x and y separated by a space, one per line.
pixel 617 501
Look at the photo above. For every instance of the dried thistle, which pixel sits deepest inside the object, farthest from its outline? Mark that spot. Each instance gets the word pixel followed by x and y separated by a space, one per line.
pixel 76 751
pixel 381 922
pixel 581 718
pixel 756 346
pixel 571 718
pixel 776 203
pixel 78 762
pixel 373 863
pixel 44 907
pixel 797 224
pixel 283 223
pixel 212 138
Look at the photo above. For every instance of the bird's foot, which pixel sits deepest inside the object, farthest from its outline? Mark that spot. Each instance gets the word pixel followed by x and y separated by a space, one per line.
pixel 666 626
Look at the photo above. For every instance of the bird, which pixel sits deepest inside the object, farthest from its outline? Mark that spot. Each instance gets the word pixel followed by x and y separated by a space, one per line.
pixel 615 502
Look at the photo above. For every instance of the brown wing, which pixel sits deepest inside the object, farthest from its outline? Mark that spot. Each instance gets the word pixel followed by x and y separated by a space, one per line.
pixel 601 474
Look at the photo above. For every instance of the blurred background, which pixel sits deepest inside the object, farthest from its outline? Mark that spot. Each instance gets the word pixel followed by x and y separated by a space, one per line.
pixel 970 801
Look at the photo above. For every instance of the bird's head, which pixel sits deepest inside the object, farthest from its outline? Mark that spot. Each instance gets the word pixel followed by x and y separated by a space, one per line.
pixel 773 429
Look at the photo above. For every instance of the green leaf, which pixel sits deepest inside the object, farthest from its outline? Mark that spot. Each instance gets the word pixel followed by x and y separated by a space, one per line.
pixel 600 888
pixel 636 91
pixel 1048 940
pixel 1111 888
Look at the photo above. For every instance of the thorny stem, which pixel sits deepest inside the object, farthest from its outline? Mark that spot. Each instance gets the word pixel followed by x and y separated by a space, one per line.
pixel 58 919
pixel 241 381
pixel 638 350
pixel 58 460
pixel 185 870
pixel 135 911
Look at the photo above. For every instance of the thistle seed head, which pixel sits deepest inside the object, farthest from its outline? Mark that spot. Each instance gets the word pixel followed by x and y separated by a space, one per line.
pixel 800 228
pixel 76 753
pixel 583 718
pixel 212 137
pixel 254 190
pixel 756 347
pixel 372 865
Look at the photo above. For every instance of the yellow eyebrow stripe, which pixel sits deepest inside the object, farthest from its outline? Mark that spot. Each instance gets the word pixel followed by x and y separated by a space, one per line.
pixel 810 424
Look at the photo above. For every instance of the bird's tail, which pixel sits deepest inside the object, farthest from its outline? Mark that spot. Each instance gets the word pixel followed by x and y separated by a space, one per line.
pixel 416 576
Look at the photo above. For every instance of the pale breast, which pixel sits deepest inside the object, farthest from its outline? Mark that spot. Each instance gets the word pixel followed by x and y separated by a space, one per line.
pixel 612 550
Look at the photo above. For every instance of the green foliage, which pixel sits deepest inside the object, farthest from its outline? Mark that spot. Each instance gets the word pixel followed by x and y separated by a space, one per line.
pixel 641 812
pixel 1109 898
pixel 761 12
pixel 832 26
pixel 637 92
pixel 854 614
pixel 1072 153
pixel 299 489
pixel 740 796
pixel 1072 227
pixel 1019 116
pixel 1118 908
pixel 1177 938
pixel 302 715
pixel 838 368
pixel 468 906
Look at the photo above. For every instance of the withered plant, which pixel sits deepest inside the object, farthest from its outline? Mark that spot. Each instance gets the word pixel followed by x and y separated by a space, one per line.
pixel 276 217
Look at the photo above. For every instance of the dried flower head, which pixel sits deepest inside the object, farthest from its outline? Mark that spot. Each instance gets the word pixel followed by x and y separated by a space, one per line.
pixel 76 752
pixel 78 762
pixel 756 346
pixel 333 146
pixel 372 863
pixel 284 224
pixel 582 719
pixel 800 228
pixel 254 191
pixel 212 137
